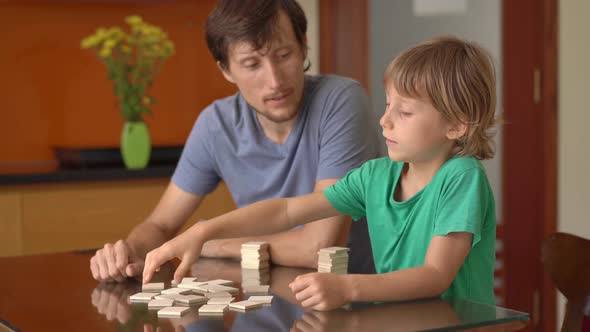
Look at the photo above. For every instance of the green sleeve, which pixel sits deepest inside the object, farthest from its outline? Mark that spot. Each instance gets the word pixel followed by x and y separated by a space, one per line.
pixel 348 194
pixel 464 203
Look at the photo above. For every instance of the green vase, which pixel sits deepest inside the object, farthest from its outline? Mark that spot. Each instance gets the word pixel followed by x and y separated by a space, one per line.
pixel 135 145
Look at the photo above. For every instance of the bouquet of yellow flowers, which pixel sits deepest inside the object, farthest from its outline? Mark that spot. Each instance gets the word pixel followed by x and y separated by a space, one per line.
pixel 133 60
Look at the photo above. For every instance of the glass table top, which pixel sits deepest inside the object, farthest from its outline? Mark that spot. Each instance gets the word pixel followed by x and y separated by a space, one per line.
pixel 57 292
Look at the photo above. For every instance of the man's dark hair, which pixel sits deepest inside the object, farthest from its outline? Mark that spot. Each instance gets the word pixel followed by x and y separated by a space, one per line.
pixel 251 21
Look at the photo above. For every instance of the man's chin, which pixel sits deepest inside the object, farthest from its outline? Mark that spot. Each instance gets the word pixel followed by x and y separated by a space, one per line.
pixel 280 117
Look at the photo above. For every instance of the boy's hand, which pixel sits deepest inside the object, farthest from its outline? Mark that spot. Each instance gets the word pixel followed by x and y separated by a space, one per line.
pixel 320 291
pixel 183 247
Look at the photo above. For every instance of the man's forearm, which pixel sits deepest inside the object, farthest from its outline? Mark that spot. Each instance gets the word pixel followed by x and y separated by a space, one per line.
pixel 401 285
pixel 145 237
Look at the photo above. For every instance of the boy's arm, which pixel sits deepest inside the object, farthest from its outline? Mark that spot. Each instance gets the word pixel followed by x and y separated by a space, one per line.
pixel 443 260
pixel 296 247
pixel 260 218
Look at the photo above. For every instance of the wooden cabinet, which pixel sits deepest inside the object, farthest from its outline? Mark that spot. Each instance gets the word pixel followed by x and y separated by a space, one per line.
pixel 62 217
pixel 10 221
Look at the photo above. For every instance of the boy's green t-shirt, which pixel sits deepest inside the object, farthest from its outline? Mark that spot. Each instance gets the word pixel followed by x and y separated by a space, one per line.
pixel 458 199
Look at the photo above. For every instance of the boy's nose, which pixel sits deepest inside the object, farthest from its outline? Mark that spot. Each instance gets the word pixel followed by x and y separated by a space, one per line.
pixel 385 121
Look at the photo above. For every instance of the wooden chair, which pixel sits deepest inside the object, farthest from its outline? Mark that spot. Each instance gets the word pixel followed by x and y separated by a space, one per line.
pixel 566 258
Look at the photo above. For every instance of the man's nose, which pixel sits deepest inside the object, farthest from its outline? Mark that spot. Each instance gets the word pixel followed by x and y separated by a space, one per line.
pixel 274 76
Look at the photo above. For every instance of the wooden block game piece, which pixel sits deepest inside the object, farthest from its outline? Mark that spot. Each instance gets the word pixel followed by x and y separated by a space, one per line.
pixel 173 311
pixel 142 297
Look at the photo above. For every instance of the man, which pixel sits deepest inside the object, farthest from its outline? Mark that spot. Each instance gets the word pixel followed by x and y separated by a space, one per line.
pixel 283 134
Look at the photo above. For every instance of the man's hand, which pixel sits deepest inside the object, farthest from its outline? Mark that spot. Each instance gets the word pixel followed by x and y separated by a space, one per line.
pixel 115 262
pixel 110 300
pixel 186 247
pixel 320 291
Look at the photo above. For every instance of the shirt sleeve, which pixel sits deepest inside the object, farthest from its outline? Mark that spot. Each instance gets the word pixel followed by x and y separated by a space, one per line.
pixel 196 172
pixel 462 207
pixel 348 194
pixel 347 135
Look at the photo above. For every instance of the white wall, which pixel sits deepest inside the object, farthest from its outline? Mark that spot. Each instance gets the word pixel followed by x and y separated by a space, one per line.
pixel 574 118
pixel 311 9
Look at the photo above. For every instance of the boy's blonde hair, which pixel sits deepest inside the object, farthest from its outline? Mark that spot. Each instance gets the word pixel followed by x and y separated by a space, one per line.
pixel 459 80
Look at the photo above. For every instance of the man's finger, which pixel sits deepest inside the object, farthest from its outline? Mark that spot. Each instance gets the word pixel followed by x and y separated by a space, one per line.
pixel 121 254
pixel 94 268
pixel 109 256
pixel 134 269
pixel 103 269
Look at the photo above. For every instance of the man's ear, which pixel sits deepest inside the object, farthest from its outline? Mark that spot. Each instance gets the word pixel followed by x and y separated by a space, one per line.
pixel 457 131
pixel 226 73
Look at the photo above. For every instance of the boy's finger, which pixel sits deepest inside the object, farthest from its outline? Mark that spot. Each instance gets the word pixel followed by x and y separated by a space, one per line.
pixel 150 266
pixel 310 301
pixel 304 294
pixel 183 268
pixel 299 284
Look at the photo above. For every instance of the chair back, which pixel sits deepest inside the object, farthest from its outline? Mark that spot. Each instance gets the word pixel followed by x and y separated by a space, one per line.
pixel 566 258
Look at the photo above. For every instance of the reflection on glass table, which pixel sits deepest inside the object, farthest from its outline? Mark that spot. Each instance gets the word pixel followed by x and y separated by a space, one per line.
pixel 56 292
pixel 286 315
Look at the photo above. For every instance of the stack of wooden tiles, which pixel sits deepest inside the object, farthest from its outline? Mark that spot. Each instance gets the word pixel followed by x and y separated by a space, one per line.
pixel 255 268
pixel 255 256
pixel 255 277
pixel 333 260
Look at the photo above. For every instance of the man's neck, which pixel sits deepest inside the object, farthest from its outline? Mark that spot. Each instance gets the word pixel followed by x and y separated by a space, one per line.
pixel 277 132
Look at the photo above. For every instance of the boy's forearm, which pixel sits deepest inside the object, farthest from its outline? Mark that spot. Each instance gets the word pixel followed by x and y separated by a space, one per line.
pixel 296 247
pixel 246 221
pixel 286 248
pixel 402 285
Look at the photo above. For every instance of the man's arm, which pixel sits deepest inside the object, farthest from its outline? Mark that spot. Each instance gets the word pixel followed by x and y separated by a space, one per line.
pixel 116 261
pixel 296 247
pixel 173 210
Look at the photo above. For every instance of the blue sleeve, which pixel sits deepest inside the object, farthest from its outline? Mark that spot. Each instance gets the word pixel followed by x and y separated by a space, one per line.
pixel 463 204
pixel 347 135
pixel 196 172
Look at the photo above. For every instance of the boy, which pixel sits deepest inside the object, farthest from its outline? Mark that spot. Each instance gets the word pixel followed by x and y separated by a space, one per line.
pixel 429 206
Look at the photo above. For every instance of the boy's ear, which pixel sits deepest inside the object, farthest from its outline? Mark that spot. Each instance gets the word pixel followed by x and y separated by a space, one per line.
pixel 457 131
pixel 226 73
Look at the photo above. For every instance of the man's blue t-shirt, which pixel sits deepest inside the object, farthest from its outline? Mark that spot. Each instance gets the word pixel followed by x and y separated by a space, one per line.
pixel 334 132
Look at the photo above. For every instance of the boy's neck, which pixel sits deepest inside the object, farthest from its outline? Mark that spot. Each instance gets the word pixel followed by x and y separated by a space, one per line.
pixel 417 175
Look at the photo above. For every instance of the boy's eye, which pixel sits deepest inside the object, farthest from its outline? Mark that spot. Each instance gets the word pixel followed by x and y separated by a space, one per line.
pixel 405 114
pixel 284 54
